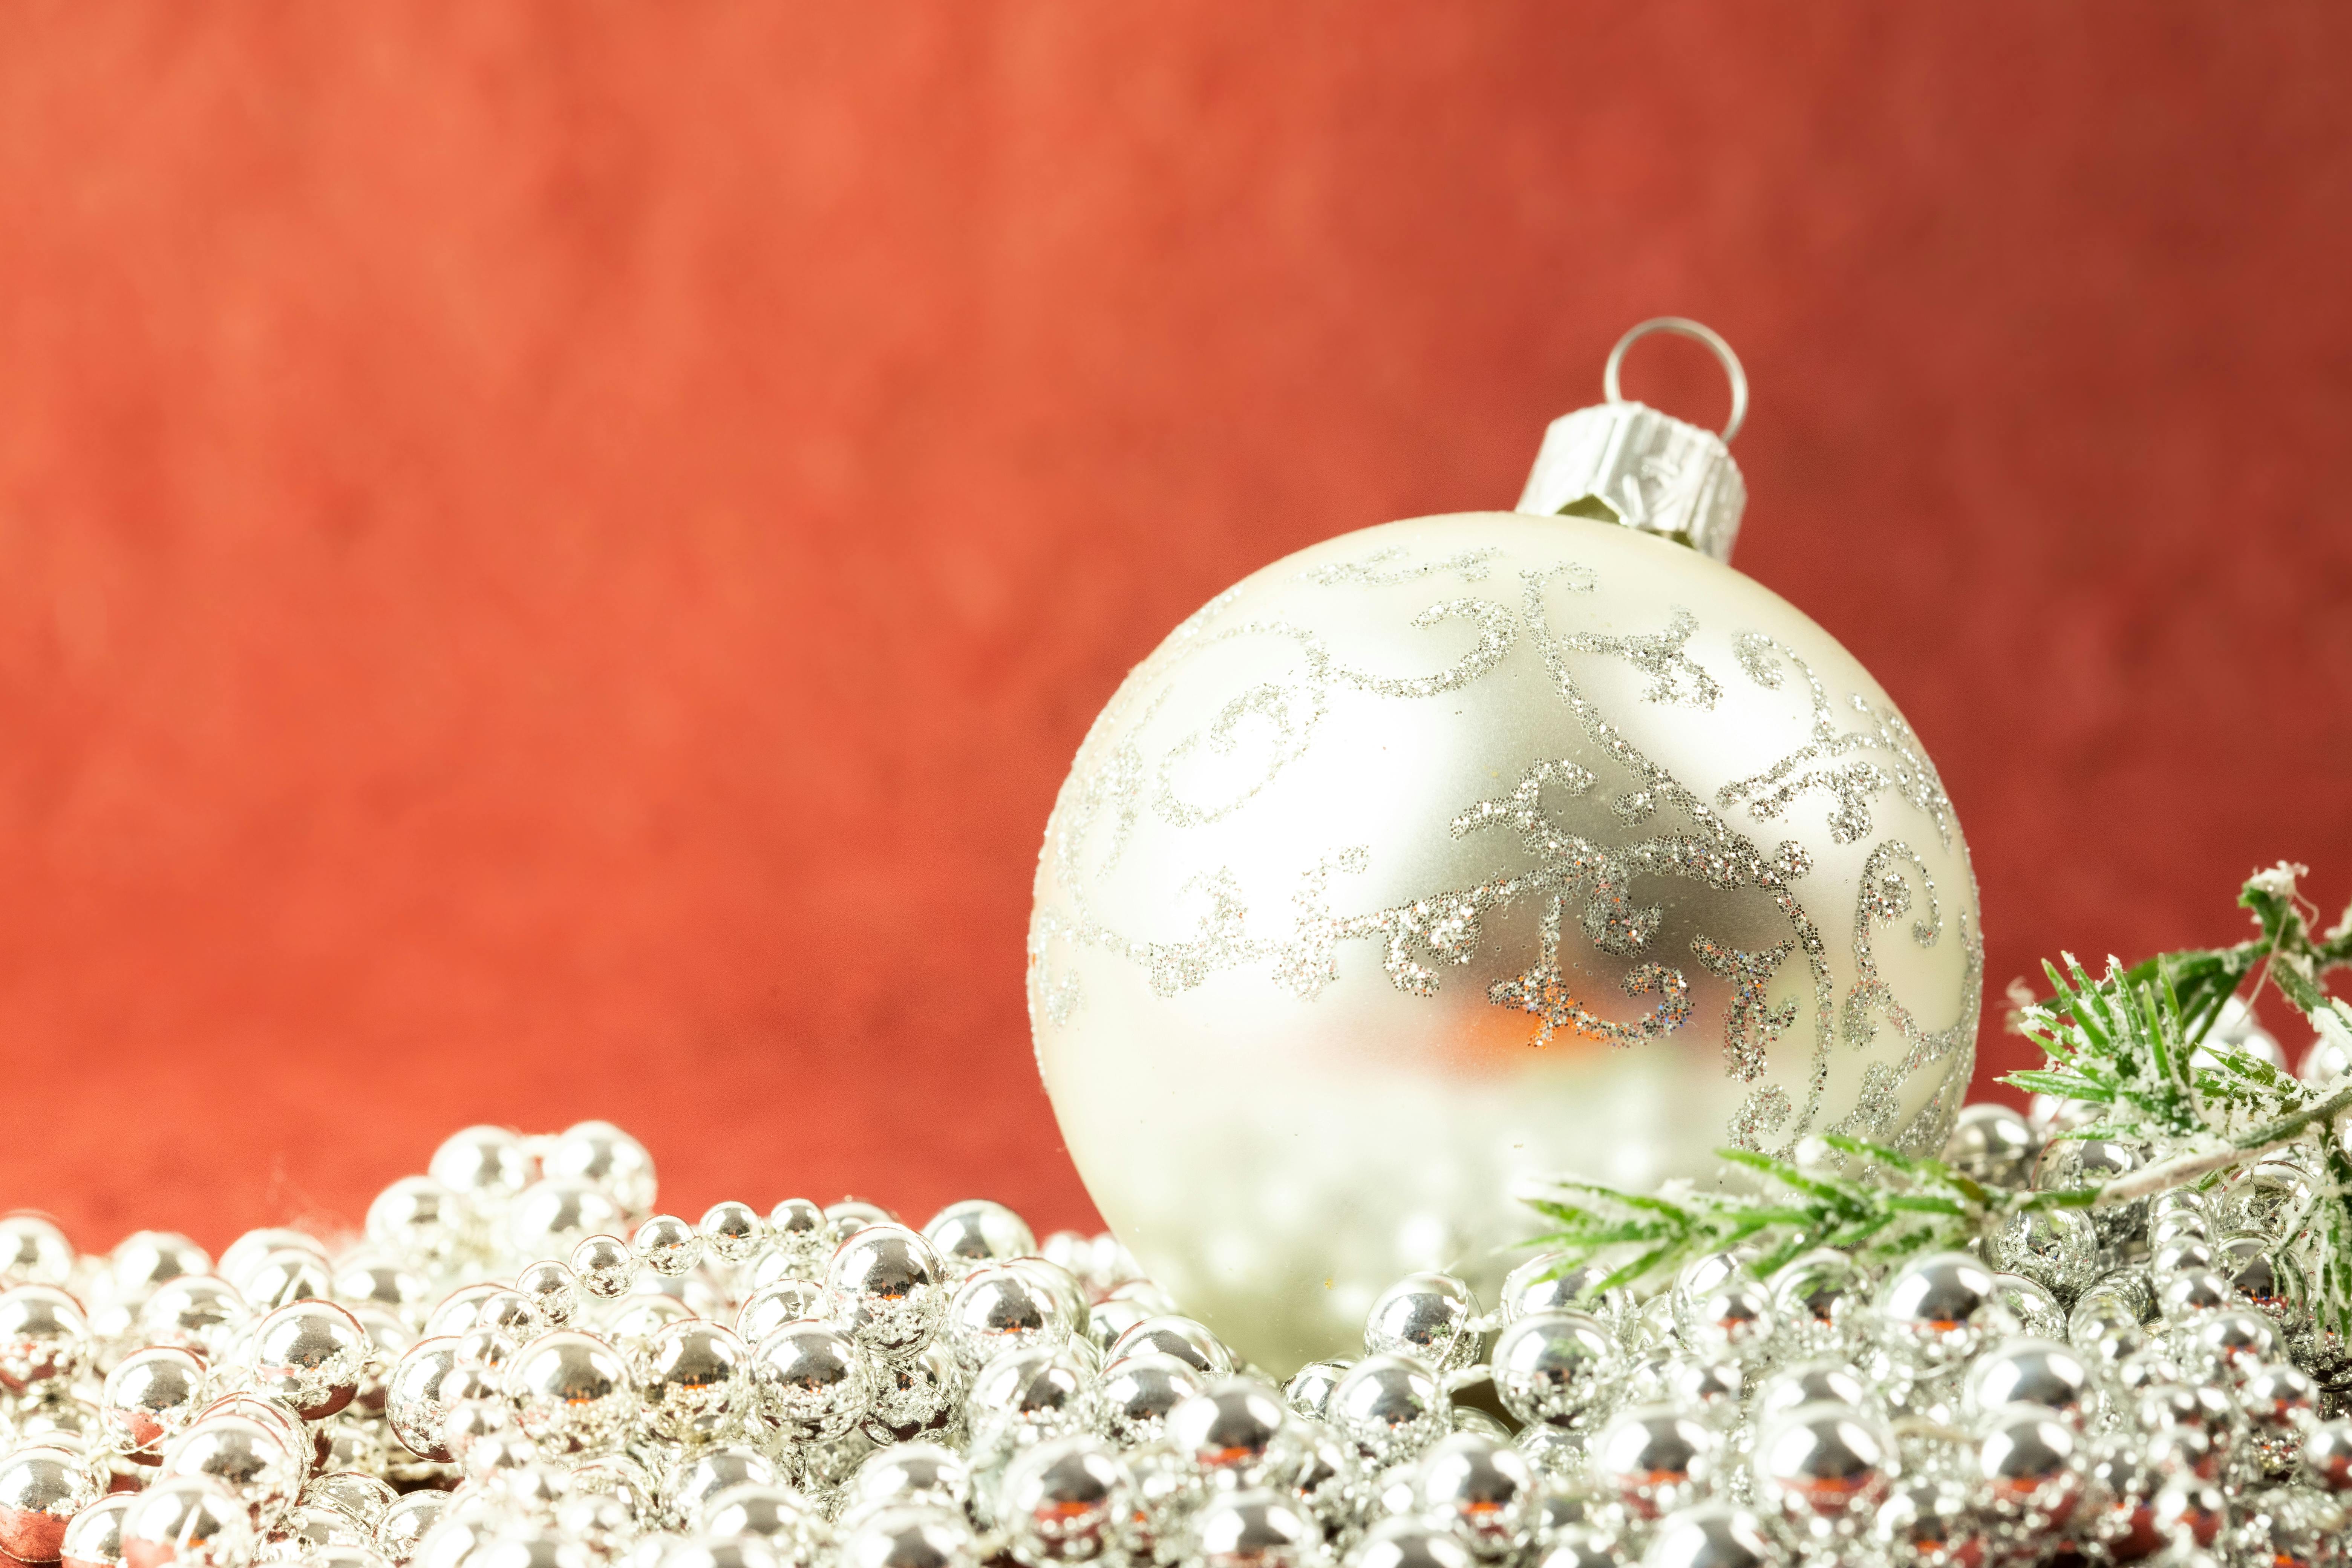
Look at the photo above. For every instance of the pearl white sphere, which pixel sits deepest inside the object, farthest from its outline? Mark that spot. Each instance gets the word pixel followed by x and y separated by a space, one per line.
pixel 1470 849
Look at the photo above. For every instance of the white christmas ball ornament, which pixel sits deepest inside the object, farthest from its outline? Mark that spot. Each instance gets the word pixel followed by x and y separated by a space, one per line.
pixel 1484 847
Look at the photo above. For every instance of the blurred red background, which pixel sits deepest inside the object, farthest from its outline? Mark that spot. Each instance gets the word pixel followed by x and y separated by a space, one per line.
pixel 552 558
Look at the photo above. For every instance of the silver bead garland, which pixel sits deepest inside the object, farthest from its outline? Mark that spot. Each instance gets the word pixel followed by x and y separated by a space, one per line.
pixel 494 1377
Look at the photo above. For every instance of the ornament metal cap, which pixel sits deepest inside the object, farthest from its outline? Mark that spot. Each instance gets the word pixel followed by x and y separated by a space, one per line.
pixel 1626 462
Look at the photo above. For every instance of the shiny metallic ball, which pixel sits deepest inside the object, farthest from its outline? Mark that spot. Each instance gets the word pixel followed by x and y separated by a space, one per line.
pixel 885 1286
pixel 1550 1368
pixel 2191 1509
pixel 2056 1248
pixel 41 1489
pixel 2027 1307
pixel 93 1538
pixel 2104 1329
pixel 406 1523
pixel 149 1396
pixel 605 1265
pixel 1180 1337
pixel 694 1379
pixel 1734 1322
pixel 1066 1500
pixel 1238 1432
pixel 1425 1316
pixel 33 1248
pixel 311 1354
pixel 850 1215
pixel 2280 1404
pixel 190 1522
pixel 702 1475
pixel 1028 1396
pixel 572 1392
pixel 798 1237
pixel 667 1245
pixel 1935 1311
pixel 910 1536
pixel 145 1259
pixel 2327 1455
pixel 2228 1344
pixel 1309 1388
pixel 1390 1407
pixel 2068 1163
pixel 1992 1144
pixel 416 1400
pixel 815 1382
pixel 731 1232
pixel 2029 1466
pixel 774 1513
pixel 555 1214
pixel 1107 1320
pixel 2263 1279
pixel 1138 1391
pixel 2192 1293
pixel 1548 1282
pixel 364 1499
pixel 771 1306
pixel 917 1396
pixel 1482 1488
pixel 1713 1535
pixel 968 1234
pixel 928 1473
pixel 488 1167
pixel 1577 1546
pixel 44 1338
pixel 250 1457
pixel 419 1219
pixel 2039 1373
pixel 1826 1381
pixel 1823 1466
pixel 1931 1524
pixel 1255 1529
pixel 599 1153
pixel 553 1291
pixel 999 1308
pixel 1654 1460
pixel 1815 1294
pixel 1406 1543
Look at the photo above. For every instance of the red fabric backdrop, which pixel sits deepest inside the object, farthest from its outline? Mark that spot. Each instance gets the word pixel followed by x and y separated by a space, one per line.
pixel 552 558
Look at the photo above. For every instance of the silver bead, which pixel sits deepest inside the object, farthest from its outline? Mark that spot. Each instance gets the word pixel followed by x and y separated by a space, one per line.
pixel 2056 1248
pixel 416 1398
pixel 1139 1390
pixel 2177 1212
pixel 149 1396
pixel 486 1166
pixel 1065 1501
pixel 1425 1316
pixel 407 1523
pixel 1178 1336
pixel 694 1380
pixel 362 1498
pixel 1992 1144
pixel 416 1218
pixel 1699 1277
pixel 1480 1489
pixel 1654 1460
pixel 93 1538
pixel 771 1306
pixel 1255 1529
pixel 311 1354
pixel 2030 1307
pixel 1309 1388
pixel 2104 1329
pixel 1409 1543
pixel 2191 1510
pixel 1390 1407
pixel 705 1474
pixel 1930 1523
pixel 1733 1322
pixel 2228 1344
pixel 572 1392
pixel 998 1308
pixel 815 1381
pixel 886 1289
pixel 33 1248
pixel 1108 1321
pixel 1237 1431
pixel 1547 1282
pixel 2260 1277
pixel 1713 1535
pixel 911 1472
pixel 667 1245
pixel 1029 1396
pixel 1553 1367
pixel 605 1265
pixel 1826 1381
pixel 2068 1163
pixel 145 1259
pixel 553 1291
pixel 850 1215
pixel 240 1452
pixel 599 1153
pixel 41 1489
pixel 1815 1293
pixel 968 1234
pixel 731 1232
pixel 190 1522
pixel 916 1395
pixel 2191 1294
pixel 2280 1405
pixel 44 1338
pixel 776 1514
pixel 1935 1311
pixel 1823 1466
pixel 797 1235
pixel 2029 1465
pixel 2282 1528
pixel 909 1537
pixel 2039 1373
pixel 2180 1254
pixel 1579 1546
pixel 201 1312
pixel 557 1213
pixel 2327 1455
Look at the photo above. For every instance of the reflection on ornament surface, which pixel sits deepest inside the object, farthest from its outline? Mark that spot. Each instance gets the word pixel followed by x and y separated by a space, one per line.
pixel 1470 849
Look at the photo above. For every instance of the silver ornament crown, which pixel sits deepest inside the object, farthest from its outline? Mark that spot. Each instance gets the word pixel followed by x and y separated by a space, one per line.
pixel 1625 462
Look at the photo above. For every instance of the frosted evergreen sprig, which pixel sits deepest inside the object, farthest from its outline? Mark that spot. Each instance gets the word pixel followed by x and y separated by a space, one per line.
pixel 2135 1042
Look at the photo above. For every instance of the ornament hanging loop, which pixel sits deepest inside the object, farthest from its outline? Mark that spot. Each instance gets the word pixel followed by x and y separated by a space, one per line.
pixel 1624 462
pixel 1697 332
